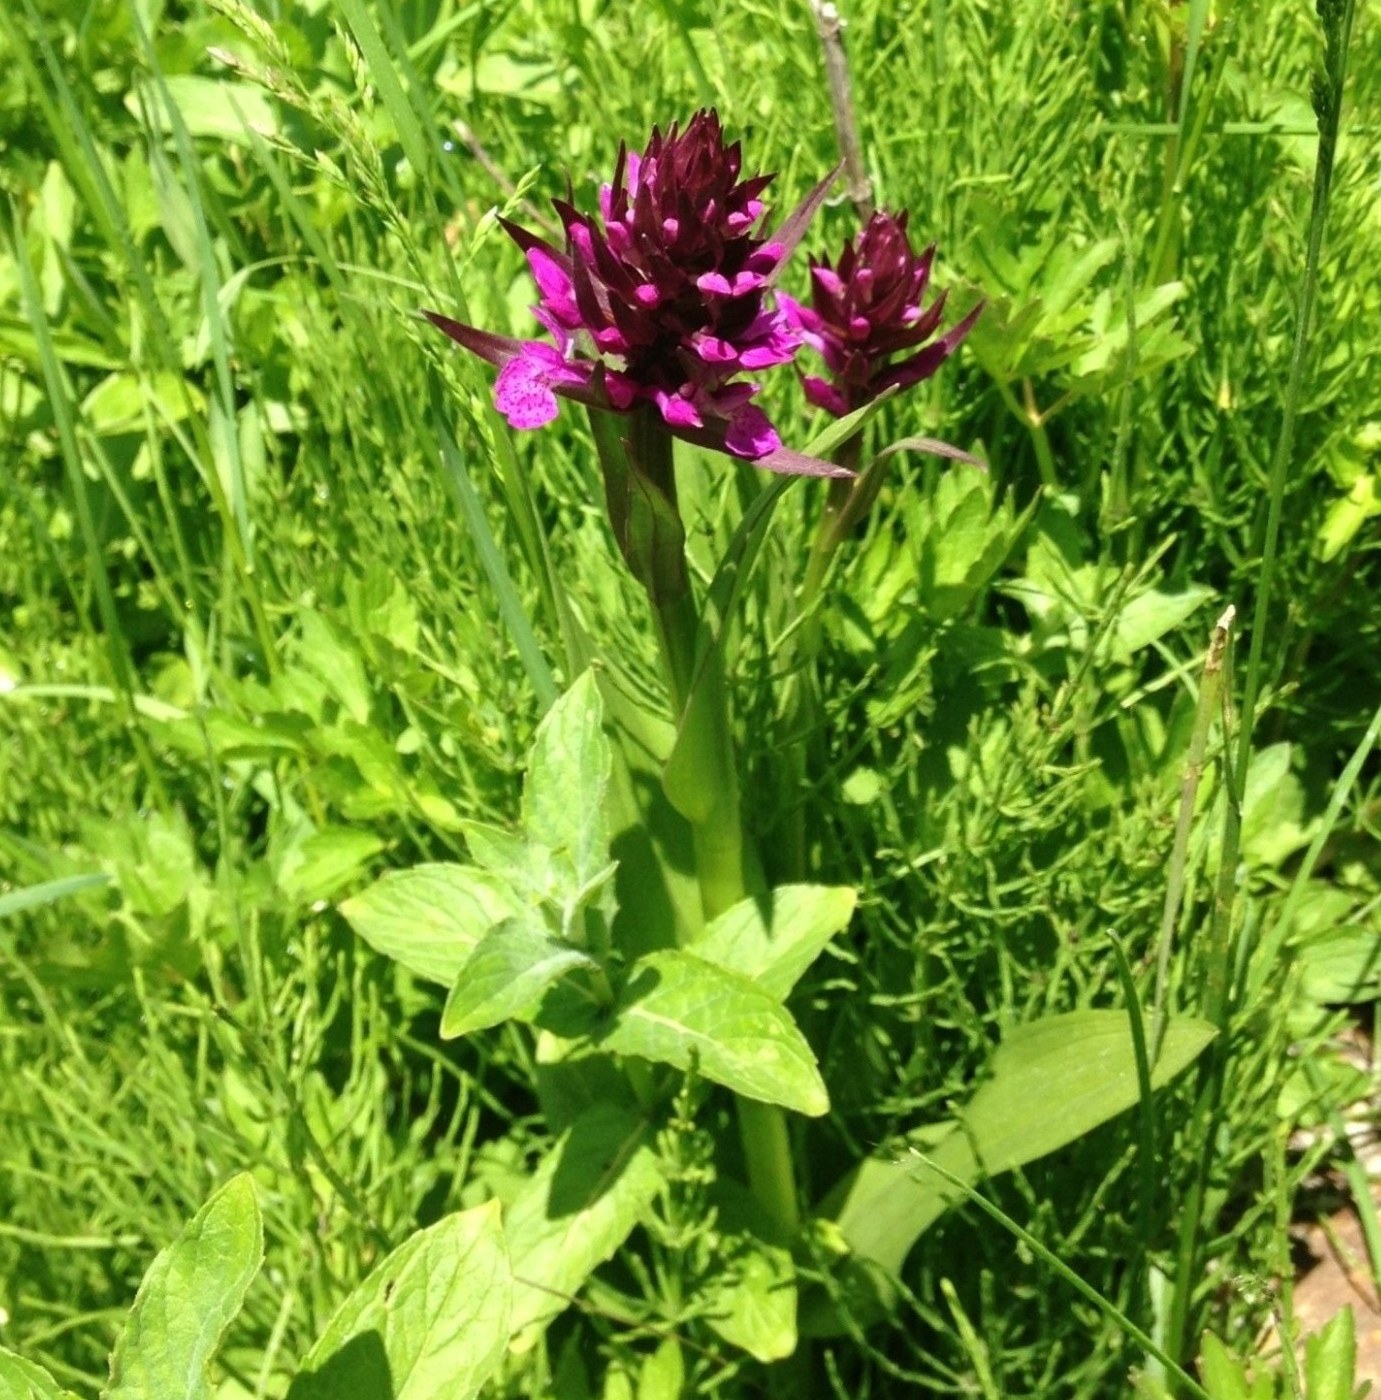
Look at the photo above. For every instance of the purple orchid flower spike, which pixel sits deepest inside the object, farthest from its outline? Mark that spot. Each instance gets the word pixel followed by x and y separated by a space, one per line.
pixel 660 300
pixel 866 309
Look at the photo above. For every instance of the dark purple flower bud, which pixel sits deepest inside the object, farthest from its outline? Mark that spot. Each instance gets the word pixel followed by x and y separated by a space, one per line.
pixel 868 308
pixel 659 299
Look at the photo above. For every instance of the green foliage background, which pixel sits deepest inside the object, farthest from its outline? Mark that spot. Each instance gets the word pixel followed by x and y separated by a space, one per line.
pixel 256 647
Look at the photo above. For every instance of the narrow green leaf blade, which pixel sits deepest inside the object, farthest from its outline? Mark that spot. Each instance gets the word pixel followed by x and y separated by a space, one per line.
pixel 32 896
pixel 680 1009
pixel 506 976
pixel 188 1298
pixel 774 946
pixel 430 918
pixel 578 1208
pixel 1052 1081
pixel 430 1323
pixel 25 1380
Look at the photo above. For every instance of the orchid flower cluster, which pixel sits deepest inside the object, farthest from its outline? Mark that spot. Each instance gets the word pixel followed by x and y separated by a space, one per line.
pixel 666 299
pixel 662 309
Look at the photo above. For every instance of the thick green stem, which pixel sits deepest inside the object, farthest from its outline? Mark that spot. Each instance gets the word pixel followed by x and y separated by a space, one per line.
pixel 727 869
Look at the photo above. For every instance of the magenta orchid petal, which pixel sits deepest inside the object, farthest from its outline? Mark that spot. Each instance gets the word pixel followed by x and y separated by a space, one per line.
pixel 766 355
pixel 824 395
pixel 553 280
pixel 525 391
pixel 623 393
pixel 678 412
pixel 728 400
pixel 749 434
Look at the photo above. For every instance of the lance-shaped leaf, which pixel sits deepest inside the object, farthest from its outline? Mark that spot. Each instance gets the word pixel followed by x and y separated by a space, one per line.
pixel 579 1207
pixel 1052 1082
pixel 430 1323
pixel 189 1296
pixel 507 974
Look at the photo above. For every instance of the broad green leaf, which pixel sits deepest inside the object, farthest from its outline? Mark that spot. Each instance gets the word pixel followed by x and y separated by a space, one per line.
pixel 663 1376
pixel 750 1296
pixel 773 946
pixel 506 975
pixel 1223 1375
pixel 212 107
pixel 536 874
pixel 576 1211
pixel 1330 1360
pixel 681 1010
pixel 1150 615
pixel 571 1078
pixel 1346 516
pixel 521 866
pixel 568 782
pixel 318 865
pixel 25 1380
pixel 430 1323
pixel 429 918
pixel 1273 808
pixel 119 403
pixel 1051 1082
pixel 331 654
pixel 188 1298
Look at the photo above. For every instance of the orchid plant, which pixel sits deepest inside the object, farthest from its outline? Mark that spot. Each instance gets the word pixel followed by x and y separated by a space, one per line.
pixel 660 311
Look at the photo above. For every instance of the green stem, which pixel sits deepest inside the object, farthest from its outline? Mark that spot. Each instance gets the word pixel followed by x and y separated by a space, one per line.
pixel 1337 19
pixel 771 1172
pixel 848 501
pixel 1331 101
pixel 727 868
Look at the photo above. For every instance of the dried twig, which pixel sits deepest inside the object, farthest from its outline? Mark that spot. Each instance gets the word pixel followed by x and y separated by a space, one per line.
pixel 856 182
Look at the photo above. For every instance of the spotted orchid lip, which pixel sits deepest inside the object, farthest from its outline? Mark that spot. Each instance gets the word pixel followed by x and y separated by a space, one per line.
pixel 599 391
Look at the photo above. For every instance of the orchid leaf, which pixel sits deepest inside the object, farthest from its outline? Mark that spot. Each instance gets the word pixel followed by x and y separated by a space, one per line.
pixel 682 1010
pixel 1051 1082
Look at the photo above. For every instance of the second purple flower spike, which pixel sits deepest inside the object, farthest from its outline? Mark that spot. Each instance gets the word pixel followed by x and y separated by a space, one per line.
pixel 867 308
